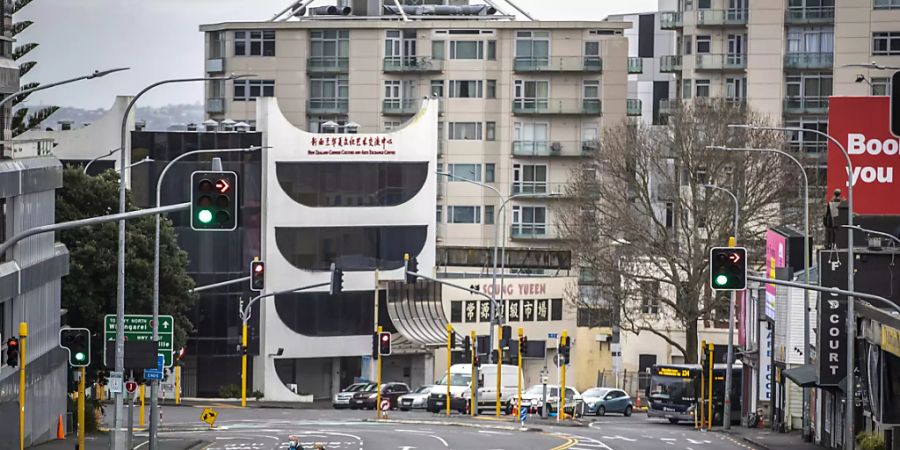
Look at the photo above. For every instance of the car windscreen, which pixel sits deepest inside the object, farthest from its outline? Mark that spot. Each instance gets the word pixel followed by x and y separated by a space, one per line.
pixel 423 389
pixel 456 379
pixel 595 392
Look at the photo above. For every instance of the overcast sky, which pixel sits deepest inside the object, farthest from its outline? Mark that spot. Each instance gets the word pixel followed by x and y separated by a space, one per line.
pixel 159 39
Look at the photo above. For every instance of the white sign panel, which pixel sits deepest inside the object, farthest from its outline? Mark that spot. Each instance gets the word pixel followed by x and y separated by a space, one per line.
pixel 115 382
pixel 765 360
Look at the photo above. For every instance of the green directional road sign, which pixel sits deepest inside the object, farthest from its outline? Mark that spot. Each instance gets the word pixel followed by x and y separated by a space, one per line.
pixel 139 327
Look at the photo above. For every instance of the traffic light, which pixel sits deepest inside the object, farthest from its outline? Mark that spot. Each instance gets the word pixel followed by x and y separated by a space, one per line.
pixel 452 339
pixel 565 350
pixel 214 201
pixel 12 352
pixel 467 348
pixel 384 343
pixel 337 280
pixel 412 267
pixel 704 359
pixel 505 335
pixel 728 268
pixel 257 276
pixel 375 345
pixel 523 345
pixel 77 341
pixel 477 361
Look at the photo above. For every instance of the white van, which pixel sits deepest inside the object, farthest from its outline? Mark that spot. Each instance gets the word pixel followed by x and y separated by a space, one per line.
pixel 460 387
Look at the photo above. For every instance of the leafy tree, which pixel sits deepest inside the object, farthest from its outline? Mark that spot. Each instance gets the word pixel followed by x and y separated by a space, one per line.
pixel 644 221
pixel 89 291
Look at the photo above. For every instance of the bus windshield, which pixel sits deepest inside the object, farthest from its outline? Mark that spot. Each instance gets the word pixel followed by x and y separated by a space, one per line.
pixel 456 379
pixel 671 388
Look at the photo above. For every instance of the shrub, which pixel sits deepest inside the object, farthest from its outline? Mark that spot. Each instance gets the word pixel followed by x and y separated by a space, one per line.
pixel 870 441
pixel 230 391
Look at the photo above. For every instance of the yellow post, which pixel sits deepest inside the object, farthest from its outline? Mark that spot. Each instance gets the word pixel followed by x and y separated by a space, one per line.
pixel 701 406
pixel 81 410
pixel 519 376
pixel 709 416
pixel 449 350
pixel 23 335
pixel 243 368
pixel 177 385
pixel 499 369
pixel 141 420
pixel 378 379
pixel 562 382
pixel 474 376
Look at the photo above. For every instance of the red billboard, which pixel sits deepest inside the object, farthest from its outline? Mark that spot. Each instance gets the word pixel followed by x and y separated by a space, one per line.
pixel 862 126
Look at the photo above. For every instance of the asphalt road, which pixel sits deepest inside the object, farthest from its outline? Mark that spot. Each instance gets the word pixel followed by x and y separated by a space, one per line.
pixel 266 429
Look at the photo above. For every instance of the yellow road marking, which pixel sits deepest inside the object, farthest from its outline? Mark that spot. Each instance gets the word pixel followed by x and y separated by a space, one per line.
pixel 569 443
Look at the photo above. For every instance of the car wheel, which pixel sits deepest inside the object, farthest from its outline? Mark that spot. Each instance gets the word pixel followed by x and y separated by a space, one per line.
pixel 675 421
pixel 628 411
pixel 601 411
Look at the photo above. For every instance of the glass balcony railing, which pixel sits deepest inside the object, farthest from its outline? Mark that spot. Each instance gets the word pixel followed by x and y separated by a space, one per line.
pixel 327 64
pixel 719 61
pixel 671 20
pixel 669 105
pixel 396 106
pixel 529 231
pixel 721 17
pixel 635 65
pixel 806 105
pixel 809 60
pixel 215 65
pixel 412 64
pixel 327 106
pixel 807 15
pixel 545 106
pixel 539 189
pixel 670 63
pixel 547 148
pixel 633 107
pixel 558 64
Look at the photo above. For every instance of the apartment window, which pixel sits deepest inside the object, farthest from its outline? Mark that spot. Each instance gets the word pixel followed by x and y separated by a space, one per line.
pixel 887 4
pixel 649 293
pixel 686 88
pixel 592 49
pixel 529 220
pixel 254 43
pixel 437 49
pixel 491 89
pixel 316 124
pixel 810 40
pixel 490 131
pixel 392 90
pixel 465 89
pixel 466 49
pixel 437 88
pixel 488 214
pixel 704 44
pixel 688 5
pixel 492 50
pixel 531 137
pixel 735 88
pixel 881 85
pixel 702 88
pixel 328 88
pixel 391 125
pixel 534 45
pixel 591 89
pixel 329 44
pixel 248 90
pixel 531 94
pixel 808 142
pixel 489 171
pixel 463 214
pixel 812 89
pixel 529 179
pixel 704 4
pixel 465 171
pixel 688 44
pixel 886 43
pixel 670 215
pixel 439 214
pixel 465 131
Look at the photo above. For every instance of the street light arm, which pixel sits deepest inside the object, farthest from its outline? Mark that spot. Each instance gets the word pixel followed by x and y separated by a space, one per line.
pixel 477 183
pixel 99 157
pixel 96 74
pixel 877 233
pixel 195 152
pixel 446 283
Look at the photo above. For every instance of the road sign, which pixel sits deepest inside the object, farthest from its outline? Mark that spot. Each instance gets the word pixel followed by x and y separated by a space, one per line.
pixel 139 327
pixel 152 374
pixel 209 416
pixel 523 415
pixel 552 336
pixel 115 382
pixel 385 405
pixel 130 386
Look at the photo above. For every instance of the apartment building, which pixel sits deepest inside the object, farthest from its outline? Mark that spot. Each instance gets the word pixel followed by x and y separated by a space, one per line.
pixel 521 101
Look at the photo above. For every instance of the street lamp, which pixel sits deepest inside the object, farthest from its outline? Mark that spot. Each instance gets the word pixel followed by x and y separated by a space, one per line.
pixel 849 437
pixel 119 416
pixel 99 157
pixel 726 414
pixel 807 349
pixel 876 233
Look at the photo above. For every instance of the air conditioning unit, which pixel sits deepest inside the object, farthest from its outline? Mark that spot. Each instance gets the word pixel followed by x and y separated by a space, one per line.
pixel 556 147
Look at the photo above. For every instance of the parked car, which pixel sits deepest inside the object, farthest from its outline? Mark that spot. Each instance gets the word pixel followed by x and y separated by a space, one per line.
pixel 602 400
pixel 415 400
pixel 389 392
pixel 342 399
pixel 533 399
pixel 360 393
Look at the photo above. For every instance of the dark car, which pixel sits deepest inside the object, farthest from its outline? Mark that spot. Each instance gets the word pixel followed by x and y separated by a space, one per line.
pixel 389 392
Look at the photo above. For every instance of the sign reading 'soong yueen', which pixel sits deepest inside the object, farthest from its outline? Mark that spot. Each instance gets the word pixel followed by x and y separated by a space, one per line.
pixel 862 126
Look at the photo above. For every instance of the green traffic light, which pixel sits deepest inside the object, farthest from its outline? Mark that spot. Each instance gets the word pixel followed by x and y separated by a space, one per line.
pixel 80 356
pixel 205 216
pixel 721 280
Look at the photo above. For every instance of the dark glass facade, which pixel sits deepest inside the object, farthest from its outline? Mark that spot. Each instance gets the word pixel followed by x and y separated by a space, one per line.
pixel 355 184
pixel 350 248
pixel 321 314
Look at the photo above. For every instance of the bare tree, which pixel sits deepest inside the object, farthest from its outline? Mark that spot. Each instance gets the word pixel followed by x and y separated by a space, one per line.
pixel 643 222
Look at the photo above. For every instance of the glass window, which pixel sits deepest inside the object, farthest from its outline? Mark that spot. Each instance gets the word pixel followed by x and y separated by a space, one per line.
pixel 881 85
pixel 592 48
pixel 254 43
pixel 531 220
pixel 491 49
pixel 556 305
pixel 437 49
pixel 351 184
pixel 329 44
pixel 248 90
pixel 466 50
pixel 887 4
pixel 529 179
pixel 704 4
pixel 321 314
pixel 437 88
pixel 456 311
pixel 488 214
pixel 702 88
pixel 591 89
pixel 465 131
pixel 886 43
pixel 533 45
pixel 491 90
pixel 649 294
pixel 686 88
pixel 489 171
pixel 329 88
pixel 703 44
pixel 463 214
pixel 352 248
pixel 465 89
pixel 688 44
pixel 439 214
pixel 490 131
pixel 467 171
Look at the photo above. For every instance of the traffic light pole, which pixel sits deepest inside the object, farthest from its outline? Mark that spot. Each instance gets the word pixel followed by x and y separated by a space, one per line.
pixel 23 335
pixel 562 381
pixel 521 332
pixel 449 350
pixel 81 409
pixel 473 401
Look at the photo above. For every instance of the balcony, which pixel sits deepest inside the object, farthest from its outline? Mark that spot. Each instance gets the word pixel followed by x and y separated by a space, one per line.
pixel 589 145
pixel 538 188
pixel 412 64
pixel 721 17
pixel 558 64
pixel 538 231
pixel 544 106
pixel 669 105
pixel 806 105
pixel 671 20
pixel 809 61
pixel 547 148
pixel 215 105
pixel 327 65
pixel 327 106
pixel 633 107
pixel 719 61
pixel 399 107
pixel 670 63
pixel 635 65
pixel 215 65
pixel 809 15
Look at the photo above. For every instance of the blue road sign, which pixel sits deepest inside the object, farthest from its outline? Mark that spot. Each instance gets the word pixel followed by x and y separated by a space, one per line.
pixel 153 374
pixel 552 336
pixel 160 362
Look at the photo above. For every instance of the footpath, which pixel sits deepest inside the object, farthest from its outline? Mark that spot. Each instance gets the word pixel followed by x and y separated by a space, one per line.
pixel 101 440
pixel 771 440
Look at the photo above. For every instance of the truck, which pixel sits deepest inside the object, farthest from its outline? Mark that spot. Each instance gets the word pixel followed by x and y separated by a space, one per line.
pixel 460 379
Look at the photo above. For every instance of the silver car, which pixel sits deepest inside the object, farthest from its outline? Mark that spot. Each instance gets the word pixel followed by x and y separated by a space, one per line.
pixel 415 400
pixel 342 399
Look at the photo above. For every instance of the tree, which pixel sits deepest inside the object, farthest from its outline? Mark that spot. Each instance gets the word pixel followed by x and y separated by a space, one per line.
pixel 643 222
pixel 21 120
pixel 89 291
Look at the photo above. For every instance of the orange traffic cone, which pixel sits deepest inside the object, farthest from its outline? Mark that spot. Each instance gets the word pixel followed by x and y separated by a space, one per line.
pixel 60 429
pixel 638 403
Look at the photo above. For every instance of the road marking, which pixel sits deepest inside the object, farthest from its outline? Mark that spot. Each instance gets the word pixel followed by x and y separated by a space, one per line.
pixel 621 438
pixel 425 432
pixel 501 433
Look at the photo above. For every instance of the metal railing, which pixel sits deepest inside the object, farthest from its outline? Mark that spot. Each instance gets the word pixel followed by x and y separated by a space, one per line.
pixel 721 61
pixel 668 105
pixel 327 105
pixel 538 187
pixel 558 64
pixel 633 107
pixel 820 14
pixel 412 64
pixel 635 65
pixel 721 17
pixel 809 60
pixel 327 64
pixel 547 148
pixel 529 231
pixel 396 106
pixel 670 63
pixel 553 107
pixel 671 20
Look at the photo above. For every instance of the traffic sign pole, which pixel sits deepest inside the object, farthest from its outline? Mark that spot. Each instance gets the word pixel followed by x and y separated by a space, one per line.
pixel 81 409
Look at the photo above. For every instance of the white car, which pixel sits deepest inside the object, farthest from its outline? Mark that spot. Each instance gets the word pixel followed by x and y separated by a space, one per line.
pixel 533 399
pixel 342 399
pixel 415 400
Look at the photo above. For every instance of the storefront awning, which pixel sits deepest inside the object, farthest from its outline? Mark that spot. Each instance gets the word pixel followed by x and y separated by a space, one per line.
pixel 417 311
pixel 803 376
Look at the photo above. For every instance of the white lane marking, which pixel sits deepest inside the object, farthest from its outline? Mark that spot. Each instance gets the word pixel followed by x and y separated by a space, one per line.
pixel 621 438
pixel 501 433
pixel 440 439
pixel 425 432
pixel 667 439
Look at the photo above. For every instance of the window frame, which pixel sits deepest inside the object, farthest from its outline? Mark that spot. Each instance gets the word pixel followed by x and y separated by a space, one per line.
pixel 453 209
pixel 245 40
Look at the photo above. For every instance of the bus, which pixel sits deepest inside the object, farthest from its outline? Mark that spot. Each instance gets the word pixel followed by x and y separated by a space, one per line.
pixel 674 390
